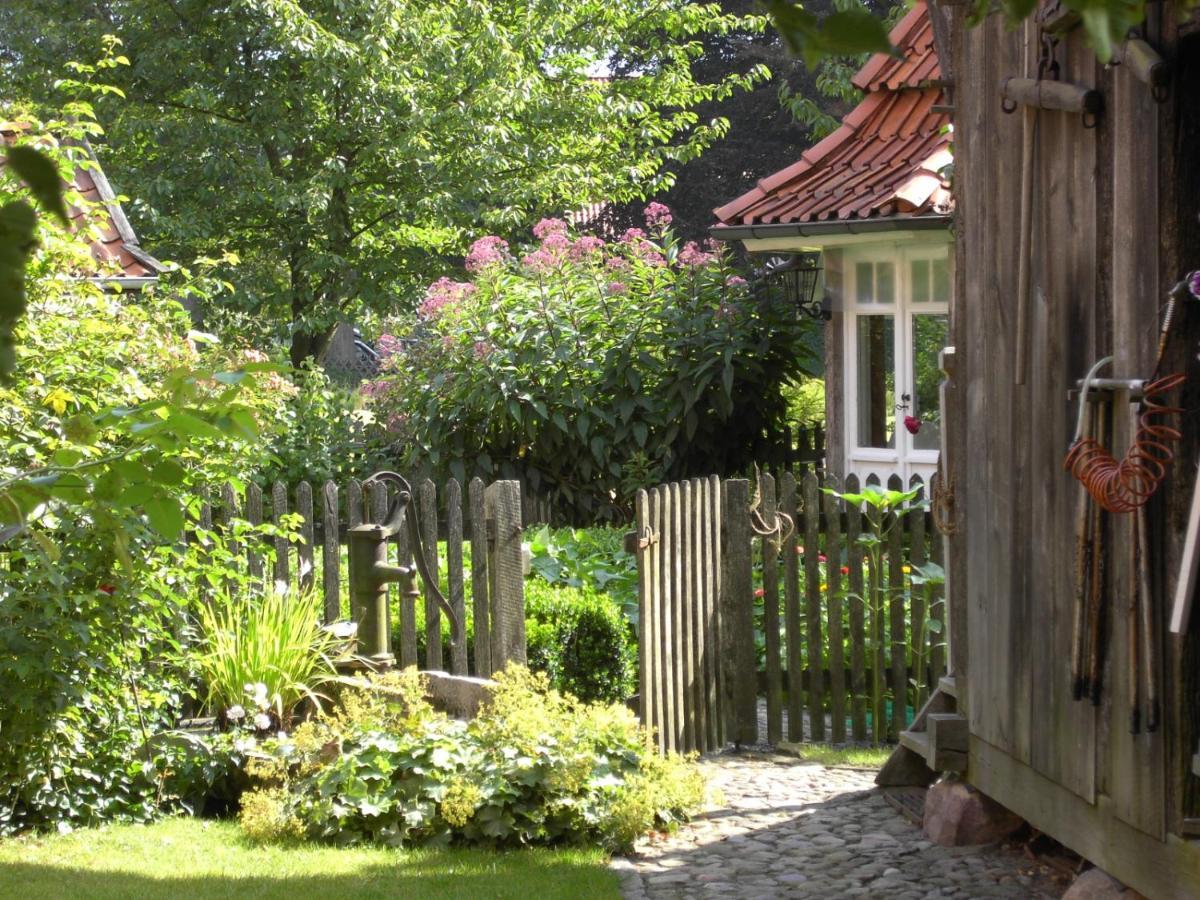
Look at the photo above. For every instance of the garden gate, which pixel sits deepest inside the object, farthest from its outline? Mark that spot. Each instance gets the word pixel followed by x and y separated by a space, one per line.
pixel 845 621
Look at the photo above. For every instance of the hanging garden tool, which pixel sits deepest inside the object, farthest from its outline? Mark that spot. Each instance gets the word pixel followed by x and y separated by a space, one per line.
pixel 1122 485
pixel 1185 586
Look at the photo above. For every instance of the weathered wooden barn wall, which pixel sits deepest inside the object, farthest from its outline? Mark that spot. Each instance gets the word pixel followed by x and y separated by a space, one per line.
pixel 1115 211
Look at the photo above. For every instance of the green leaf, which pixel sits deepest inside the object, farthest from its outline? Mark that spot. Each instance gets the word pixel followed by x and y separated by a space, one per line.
pixel 41 176
pixel 166 516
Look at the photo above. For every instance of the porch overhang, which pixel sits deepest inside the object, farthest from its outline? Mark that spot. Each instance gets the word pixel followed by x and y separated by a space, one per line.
pixel 835 228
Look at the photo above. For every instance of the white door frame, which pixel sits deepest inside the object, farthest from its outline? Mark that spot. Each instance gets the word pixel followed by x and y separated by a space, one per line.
pixel 901 459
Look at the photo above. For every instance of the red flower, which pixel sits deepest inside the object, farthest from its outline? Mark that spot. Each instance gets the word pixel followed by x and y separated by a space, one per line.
pixel 109 589
pixel 912 423
pixel 845 570
pixel 821 557
pixel 760 592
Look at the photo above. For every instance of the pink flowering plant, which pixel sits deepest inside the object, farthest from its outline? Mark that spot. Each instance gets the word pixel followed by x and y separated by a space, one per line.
pixel 578 361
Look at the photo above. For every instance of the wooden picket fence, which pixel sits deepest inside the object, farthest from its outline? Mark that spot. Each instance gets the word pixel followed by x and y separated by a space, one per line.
pixel 487 519
pixel 832 658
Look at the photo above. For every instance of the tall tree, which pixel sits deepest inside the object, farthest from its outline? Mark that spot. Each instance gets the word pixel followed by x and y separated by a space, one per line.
pixel 768 125
pixel 343 148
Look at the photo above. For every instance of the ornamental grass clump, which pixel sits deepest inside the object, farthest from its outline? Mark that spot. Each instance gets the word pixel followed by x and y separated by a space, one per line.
pixel 269 652
pixel 535 767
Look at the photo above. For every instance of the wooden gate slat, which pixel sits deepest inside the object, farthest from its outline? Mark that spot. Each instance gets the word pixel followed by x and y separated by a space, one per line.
pixel 646 673
pixel 812 593
pixel 833 595
pixel 696 559
pixel 712 665
pixel 737 616
pixel 770 569
pixel 658 650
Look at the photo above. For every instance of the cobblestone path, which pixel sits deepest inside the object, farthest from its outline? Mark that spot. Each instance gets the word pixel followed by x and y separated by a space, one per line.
pixel 795 829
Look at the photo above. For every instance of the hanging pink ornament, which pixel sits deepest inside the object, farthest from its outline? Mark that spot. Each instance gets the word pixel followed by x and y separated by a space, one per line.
pixel 912 423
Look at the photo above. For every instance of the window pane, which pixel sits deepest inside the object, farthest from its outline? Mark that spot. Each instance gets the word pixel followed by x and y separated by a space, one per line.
pixel 864 282
pixel 885 282
pixel 929 336
pixel 920 281
pixel 941 281
pixel 876 381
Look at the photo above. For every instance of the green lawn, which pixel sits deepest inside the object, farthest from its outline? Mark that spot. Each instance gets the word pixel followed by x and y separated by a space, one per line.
pixel 828 755
pixel 196 860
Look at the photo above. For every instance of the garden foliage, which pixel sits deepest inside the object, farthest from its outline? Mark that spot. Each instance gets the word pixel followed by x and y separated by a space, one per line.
pixel 581 640
pixel 534 767
pixel 594 368
pixel 350 146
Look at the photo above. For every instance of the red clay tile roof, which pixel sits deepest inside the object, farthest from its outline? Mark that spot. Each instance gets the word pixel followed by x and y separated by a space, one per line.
pixel 883 161
pixel 115 240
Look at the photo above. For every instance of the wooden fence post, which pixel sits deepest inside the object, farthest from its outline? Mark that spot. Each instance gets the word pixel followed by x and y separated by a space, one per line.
pixel 426 500
pixel 812 594
pixel 833 599
pixel 254 515
pixel 918 604
pixel 770 569
pixel 408 597
pixel 647 670
pixel 281 571
pixel 666 631
pixel 858 655
pixel 454 575
pixel 897 640
pixel 791 591
pixel 479 579
pixel 331 553
pixel 503 505
pixel 737 615
pixel 304 552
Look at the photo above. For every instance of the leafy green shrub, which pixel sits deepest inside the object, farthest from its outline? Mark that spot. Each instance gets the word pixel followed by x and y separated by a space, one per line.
pixel 583 363
pixel 534 767
pixel 580 639
pixel 321 432
pixel 593 558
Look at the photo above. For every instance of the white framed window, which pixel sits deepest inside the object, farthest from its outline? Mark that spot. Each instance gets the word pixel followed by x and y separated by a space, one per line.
pixel 896 319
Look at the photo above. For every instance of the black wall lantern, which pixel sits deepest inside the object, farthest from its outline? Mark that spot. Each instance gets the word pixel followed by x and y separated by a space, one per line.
pixel 798 277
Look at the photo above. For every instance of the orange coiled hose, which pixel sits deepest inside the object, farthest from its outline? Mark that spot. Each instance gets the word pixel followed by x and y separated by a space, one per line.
pixel 1124 485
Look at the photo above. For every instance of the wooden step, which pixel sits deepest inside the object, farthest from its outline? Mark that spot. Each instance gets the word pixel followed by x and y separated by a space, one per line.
pixel 947 684
pixel 948 741
pixel 916 741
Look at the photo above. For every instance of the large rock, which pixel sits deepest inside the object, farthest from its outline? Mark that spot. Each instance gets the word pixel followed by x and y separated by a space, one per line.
pixel 1096 884
pixel 956 814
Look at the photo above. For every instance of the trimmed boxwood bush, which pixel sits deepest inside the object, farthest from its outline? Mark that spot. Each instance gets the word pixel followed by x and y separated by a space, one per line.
pixel 581 640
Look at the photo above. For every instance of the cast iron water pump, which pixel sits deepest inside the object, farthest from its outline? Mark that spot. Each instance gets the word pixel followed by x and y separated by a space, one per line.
pixel 370 574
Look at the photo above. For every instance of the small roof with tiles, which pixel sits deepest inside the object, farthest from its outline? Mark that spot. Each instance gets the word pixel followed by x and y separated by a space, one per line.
pixel 114 240
pixel 883 162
